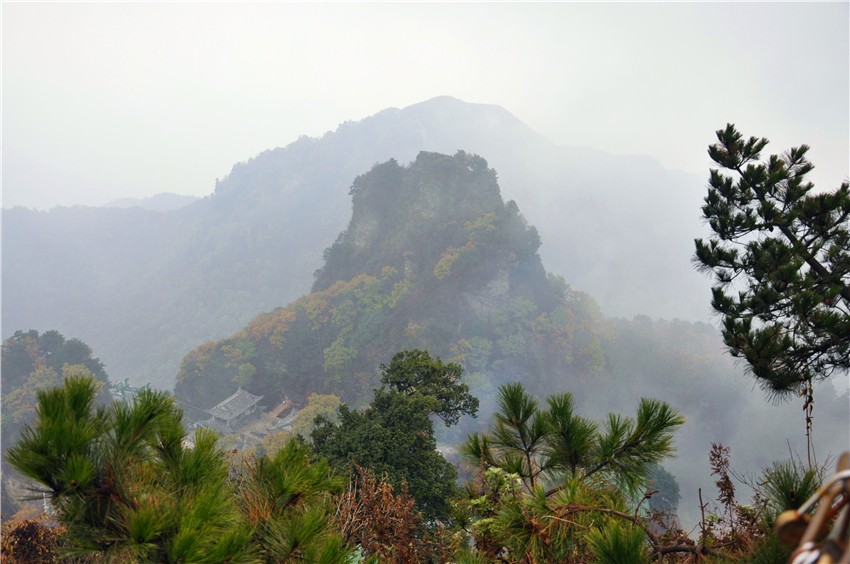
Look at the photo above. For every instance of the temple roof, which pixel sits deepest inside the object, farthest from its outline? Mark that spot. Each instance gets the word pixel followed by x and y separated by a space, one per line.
pixel 235 405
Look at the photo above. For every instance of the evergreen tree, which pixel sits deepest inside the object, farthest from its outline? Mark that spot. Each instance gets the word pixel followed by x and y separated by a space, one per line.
pixel 394 436
pixel 415 373
pixel 123 483
pixel 780 255
pixel 553 446
pixel 287 501
pixel 557 487
pixel 128 486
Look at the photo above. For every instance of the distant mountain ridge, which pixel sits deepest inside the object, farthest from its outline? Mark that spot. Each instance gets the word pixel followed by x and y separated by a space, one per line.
pixel 144 287
pixel 619 227
pixel 164 201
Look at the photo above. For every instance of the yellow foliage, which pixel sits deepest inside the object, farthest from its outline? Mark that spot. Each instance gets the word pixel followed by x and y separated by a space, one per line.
pixel 19 404
pixel 444 266
pixel 483 223
pixel 317 404
pixel 272 326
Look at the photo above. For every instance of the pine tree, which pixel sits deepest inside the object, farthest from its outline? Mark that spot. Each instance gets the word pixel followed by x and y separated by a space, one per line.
pixel 557 487
pixel 123 482
pixel 288 502
pixel 394 436
pixel 780 255
pixel 553 446
pixel 128 486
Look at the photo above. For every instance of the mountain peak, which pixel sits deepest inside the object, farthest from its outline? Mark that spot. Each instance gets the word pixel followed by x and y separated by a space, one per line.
pixel 432 258
pixel 399 212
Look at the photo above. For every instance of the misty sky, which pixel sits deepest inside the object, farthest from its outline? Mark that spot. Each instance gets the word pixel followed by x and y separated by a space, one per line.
pixel 108 100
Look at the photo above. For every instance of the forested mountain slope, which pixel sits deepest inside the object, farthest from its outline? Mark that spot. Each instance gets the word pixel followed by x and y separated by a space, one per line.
pixel 434 259
pixel 144 287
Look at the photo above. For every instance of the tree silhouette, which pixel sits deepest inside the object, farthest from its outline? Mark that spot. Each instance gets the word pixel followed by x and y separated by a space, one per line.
pixel 780 255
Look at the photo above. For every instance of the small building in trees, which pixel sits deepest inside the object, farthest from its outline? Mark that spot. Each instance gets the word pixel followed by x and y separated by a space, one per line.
pixel 228 415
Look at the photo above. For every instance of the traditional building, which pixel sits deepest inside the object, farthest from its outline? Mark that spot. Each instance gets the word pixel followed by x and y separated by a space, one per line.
pixel 232 412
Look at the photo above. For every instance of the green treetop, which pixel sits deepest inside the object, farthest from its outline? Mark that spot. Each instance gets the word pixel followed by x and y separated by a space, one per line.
pixel 780 255
pixel 552 445
pixel 415 372
pixel 128 487
pixel 394 436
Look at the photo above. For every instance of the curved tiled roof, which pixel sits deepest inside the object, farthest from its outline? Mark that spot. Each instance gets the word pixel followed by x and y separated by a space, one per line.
pixel 235 405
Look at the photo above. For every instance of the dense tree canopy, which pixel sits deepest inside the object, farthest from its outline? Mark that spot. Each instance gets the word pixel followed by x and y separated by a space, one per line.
pixel 394 436
pixel 26 351
pixel 433 258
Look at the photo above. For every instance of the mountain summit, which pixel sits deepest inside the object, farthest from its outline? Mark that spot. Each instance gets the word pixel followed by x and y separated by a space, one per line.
pixel 432 258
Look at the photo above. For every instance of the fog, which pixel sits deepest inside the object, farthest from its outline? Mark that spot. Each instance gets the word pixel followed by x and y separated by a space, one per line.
pixel 111 100
pixel 107 103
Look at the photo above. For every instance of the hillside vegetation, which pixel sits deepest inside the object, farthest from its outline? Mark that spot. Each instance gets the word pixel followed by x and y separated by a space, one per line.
pixel 433 262
pixel 434 259
pixel 145 287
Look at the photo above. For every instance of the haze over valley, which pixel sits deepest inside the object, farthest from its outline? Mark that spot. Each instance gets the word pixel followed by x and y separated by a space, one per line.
pixel 536 245
pixel 166 282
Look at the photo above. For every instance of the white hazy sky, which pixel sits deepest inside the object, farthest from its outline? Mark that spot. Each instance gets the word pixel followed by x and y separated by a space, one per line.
pixel 107 100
